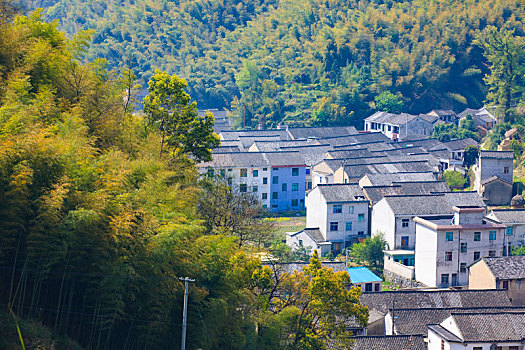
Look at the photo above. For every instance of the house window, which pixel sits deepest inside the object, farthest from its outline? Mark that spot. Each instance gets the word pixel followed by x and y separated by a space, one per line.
pixel 307 170
pixel 476 255
pixel 368 287
pixel 449 236
pixel 492 235
pixel 309 185
pixel 255 173
pixel 284 187
pixel 210 172
pixel 265 180
pixel 275 195
pixel 448 256
pixel 302 202
pixel 244 172
pixel 444 279
pixel 506 170
pixel 275 180
pixel 360 217
pixel 477 236
pixel 295 203
pixel 463 267
pixel 265 206
pixel 477 348
pixel 295 171
pixel 265 196
pixel 334 226
pixel 349 226
pixel 463 247
pixel 300 242
pixel 275 169
pixel 361 233
pixel 274 206
pixel 295 187
pixel 243 188
pixel 255 188
pixel 492 253
pixel 404 241
pixel 505 284
pixel 404 222
pixel 223 173
pixel 351 209
pixel 510 230
pixel 389 127
pixel 377 286
pixel 265 169
pixel 338 209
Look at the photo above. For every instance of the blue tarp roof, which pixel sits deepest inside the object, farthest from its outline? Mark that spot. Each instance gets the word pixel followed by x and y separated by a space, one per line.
pixel 362 275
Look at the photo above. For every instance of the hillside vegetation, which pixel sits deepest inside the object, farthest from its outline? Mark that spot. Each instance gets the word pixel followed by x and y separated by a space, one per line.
pixel 319 62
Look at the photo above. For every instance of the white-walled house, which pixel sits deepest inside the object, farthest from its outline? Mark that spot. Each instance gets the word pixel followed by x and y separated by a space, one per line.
pixel 514 220
pixel 447 245
pixel 337 214
pixel 400 126
pixel 478 331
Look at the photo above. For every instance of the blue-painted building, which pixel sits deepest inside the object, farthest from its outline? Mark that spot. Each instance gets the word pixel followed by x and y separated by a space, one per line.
pixel 365 279
pixel 287 181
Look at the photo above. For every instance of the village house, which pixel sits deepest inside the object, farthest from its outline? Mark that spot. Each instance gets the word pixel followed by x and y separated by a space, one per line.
pixel 400 126
pixel 447 245
pixel 482 118
pixel 493 171
pixel 382 303
pixel 478 331
pixel 514 220
pixel 365 279
pixel 445 115
pixel 506 273
pixel 397 342
pixel 337 217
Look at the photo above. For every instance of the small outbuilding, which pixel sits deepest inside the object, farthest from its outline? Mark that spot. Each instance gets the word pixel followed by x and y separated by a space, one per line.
pixel 365 279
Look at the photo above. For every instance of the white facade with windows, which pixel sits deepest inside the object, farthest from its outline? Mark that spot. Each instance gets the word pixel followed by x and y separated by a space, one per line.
pixel 446 246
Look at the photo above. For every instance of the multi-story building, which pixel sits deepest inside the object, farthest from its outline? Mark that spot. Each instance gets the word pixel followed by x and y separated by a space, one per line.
pixel 493 172
pixel 447 245
pixel 336 217
pixel 514 220
pixel 400 126
pixel 276 178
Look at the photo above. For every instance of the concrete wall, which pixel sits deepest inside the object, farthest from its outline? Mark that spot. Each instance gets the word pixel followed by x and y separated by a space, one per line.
pixel 407 272
pixel 316 211
pixel 426 255
pixel 417 126
pixel 286 198
pixel 383 220
pixel 347 215
pixel 480 277
pixel 487 167
pixel 497 193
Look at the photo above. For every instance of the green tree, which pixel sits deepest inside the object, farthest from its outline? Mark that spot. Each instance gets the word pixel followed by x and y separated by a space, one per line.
pixel 369 252
pixel 169 109
pixel 505 53
pixel 388 102
pixel 313 306
pixel 454 179
pixel 470 155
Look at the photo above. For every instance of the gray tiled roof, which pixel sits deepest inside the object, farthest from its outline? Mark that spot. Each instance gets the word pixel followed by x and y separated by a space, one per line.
pixel 341 192
pixel 426 144
pixel 432 204
pixel 389 342
pixel 354 153
pixel 493 178
pixel 391 118
pixel 506 268
pixel 429 118
pixel 443 112
pixel 499 327
pixel 355 139
pixel 415 321
pixel 461 144
pixel 226 149
pixel 315 234
pixel 508 216
pixel 371 146
pixel 254 159
pixel 376 193
pixel 357 171
pixel 497 154
pixel 235 134
pixel 389 179
pixel 417 299
pixel 321 132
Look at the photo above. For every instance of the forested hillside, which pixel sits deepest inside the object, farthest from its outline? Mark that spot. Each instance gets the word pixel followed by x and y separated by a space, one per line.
pixel 301 62
pixel 99 217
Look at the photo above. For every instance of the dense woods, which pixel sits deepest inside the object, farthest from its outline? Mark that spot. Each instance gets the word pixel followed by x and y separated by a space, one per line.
pixel 97 225
pixel 302 62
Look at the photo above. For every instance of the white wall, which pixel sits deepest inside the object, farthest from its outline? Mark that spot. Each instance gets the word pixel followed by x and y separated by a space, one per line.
pixel 294 241
pixel 383 221
pixel 316 211
pixel 425 255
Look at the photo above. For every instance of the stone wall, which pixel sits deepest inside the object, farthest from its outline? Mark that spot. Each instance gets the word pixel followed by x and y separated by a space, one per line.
pixel 401 281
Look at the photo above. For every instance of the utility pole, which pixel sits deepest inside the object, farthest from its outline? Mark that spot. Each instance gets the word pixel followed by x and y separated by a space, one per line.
pixel 187 281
